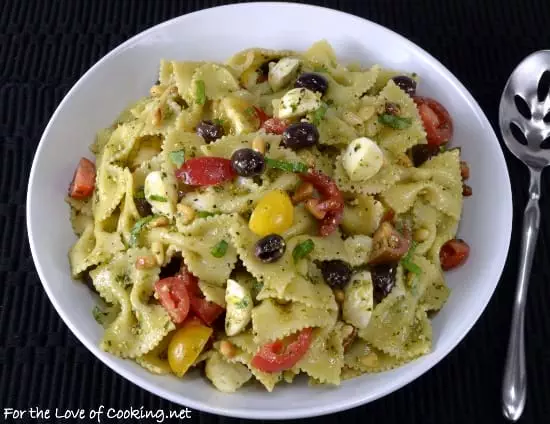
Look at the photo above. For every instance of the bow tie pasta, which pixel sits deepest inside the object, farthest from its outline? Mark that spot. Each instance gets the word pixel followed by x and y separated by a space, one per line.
pixel 275 215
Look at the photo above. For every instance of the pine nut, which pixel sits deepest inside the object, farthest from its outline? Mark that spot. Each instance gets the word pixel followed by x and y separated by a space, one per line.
pixel 258 144
pixel 312 206
pixel 303 192
pixel 227 349
pixel 187 213
pixel 160 221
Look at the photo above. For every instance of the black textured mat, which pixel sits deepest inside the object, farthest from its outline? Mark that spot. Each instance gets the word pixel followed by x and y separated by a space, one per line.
pixel 45 46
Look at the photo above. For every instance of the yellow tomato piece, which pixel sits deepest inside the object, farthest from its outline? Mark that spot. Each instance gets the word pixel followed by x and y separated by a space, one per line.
pixel 273 214
pixel 186 346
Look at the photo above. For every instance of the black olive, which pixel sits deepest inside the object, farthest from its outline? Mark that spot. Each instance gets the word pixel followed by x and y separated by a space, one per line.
pixel 270 248
pixel 247 162
pixel 143 207
pixel 420 153
pixel 313 82
pixel 336 273
pixel 408 85
pixel 300 135
pixel 383 280
pixel 210 131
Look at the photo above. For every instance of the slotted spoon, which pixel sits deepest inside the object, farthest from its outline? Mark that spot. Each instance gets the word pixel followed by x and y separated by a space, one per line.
pixel 524 119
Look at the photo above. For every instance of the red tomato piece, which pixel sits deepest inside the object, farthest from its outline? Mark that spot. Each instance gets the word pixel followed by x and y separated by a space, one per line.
pixel 262 116
pixel 207 311
pixel 437 121
pixel 275 125
pixel 205 171
pixel 332 201
pixel 173 297
pixel 453 254
pixel 283 354
pixel 83 182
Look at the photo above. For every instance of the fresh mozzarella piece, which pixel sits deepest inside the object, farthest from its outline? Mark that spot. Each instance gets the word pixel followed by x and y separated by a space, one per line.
pixel 282 72
pixel 297 102
pixel 362 159
pixel 160 193
pixel 239 306
pixel 358 300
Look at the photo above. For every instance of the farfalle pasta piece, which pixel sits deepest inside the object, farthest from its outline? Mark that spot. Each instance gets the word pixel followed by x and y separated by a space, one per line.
pixel 196 245
pixel 272 320
pixel 140 326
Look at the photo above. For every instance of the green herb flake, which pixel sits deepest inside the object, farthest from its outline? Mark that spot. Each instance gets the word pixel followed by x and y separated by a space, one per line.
pixel 320 68
pixel 177 157
pixel 395 122
pixel 219 121
pixel 302 250
pixel 137 228
pixel 407 262
pixel 442 148
pixel 156 198
pixel 98 315
pixel 287 166
pixel 205 214
pixel 200 93
pixel 220 249
pixel 257 287
pixel 250 111
pixel 242 304
pixel 319 114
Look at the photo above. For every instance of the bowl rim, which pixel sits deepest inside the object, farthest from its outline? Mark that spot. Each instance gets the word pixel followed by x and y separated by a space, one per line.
pixel 304 412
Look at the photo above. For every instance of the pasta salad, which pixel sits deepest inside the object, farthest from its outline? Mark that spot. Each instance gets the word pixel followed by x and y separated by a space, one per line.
pixel 275 215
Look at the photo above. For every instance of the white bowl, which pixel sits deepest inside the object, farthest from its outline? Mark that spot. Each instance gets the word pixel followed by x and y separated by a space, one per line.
pixel 128 72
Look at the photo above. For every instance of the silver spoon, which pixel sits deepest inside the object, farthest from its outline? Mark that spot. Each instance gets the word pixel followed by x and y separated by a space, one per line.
pixel 526 104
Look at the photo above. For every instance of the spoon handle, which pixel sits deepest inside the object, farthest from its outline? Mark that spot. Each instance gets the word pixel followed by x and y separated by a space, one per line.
pixel 514 385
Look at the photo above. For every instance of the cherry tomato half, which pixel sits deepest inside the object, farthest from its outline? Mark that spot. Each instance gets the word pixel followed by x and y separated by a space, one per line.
pixel 206 171
pixel 437 121
pixel 275 126
pixel 283 354
pixel 186 345
pixel 173 297
pixel 453 253
pixel 207 311
pixel 83 182
pixel 332 201
pixel 262 116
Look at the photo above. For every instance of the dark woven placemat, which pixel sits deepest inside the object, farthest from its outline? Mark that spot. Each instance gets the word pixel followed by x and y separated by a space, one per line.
pixel 45 46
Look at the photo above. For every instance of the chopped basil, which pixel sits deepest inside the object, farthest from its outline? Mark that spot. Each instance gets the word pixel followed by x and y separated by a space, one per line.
pixel 218 121
pixel 98 315
pixel 302 249
pixel 156 198
pixel 177 157
pixel 138 227
pixel 396 122
pixel 220 249
pixel 442 148
pixel 319 114
pixel 205 214
pixel 407 262
pixel 286 166
pixel 201 92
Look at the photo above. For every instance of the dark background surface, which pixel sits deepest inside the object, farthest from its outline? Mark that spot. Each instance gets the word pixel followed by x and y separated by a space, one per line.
pixel 45 46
